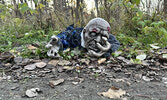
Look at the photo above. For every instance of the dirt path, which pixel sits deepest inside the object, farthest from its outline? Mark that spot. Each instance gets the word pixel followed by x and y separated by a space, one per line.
pixel 83 82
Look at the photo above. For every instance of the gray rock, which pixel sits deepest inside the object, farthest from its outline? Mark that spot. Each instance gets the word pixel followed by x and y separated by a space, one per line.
pixel 18 60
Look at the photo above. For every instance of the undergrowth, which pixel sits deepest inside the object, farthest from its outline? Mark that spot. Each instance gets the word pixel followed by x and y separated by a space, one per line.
pixel 136 29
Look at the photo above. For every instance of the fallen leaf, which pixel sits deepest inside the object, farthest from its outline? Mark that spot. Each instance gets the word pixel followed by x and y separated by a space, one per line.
pixel 86 61
pixel 32 92
pixel 164 56
pixel 76 51
pixel 164 79
pixel 30 47
pixel 64 63
pixel 54 83
pixel 102 60
pixel 117 53
pixel 75 83
pixel 141 57
pixel 40 64
pixel 154 46
pixel 68 68
pixel 53 62
pixel 113 93
pixel 30 67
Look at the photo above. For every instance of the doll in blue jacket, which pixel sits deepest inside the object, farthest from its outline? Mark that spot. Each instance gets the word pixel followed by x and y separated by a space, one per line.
pixel 95 37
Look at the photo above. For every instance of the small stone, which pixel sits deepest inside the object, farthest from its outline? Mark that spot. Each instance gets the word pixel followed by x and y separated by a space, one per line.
pixel 18 60
pixel 53 62
pixel 8 65
pixel 14 67
pixel 75 83
pixel 145 78
pixel 26 61
pixel 54 83
pixel 1 78
pixel 32 92
pixel 40 64
pixel 30 67
pixel 13 88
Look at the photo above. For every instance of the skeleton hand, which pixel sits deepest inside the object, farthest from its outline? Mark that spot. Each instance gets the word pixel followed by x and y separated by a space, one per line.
pixel 53 46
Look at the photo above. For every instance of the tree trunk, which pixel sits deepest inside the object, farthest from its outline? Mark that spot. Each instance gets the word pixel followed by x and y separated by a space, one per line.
pixel 81 13
pixel 77 12
pixel 165 7
pixel 97 7
pixel 16 11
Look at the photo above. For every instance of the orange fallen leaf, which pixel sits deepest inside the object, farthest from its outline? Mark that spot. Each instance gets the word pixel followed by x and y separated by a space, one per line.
pixel 102 60
pixel 113 92
pixel 31 47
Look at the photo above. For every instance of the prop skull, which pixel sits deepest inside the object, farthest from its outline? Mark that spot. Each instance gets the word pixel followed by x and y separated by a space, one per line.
pixel 94 37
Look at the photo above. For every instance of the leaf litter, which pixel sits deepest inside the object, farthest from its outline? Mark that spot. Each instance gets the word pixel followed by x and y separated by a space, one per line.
pixel 113 93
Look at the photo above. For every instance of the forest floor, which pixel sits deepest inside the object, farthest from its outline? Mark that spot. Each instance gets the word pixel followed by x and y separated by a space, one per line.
pixel 82 79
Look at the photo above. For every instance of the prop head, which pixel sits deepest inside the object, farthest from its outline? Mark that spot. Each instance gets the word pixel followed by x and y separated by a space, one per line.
pixel 54 47
pixel 94 37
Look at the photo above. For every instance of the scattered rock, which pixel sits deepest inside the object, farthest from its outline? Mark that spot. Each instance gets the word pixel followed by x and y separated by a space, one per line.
pixel 64 63
pixel 141 56
pixel 1 78
pixel 53 62
pixel 55 83
pixel 32 92
pixel 6 56
pixel 102 60
pixel 128 62
pixel 6 77
pixel 45 71
pixel 13 88
pixel 75 83
pixel 30 67
pixel 26 61
pixel 145 78
pixel 8 65
pixel 14 67
pixel 18 60
pixel 40 64
pixel 164 79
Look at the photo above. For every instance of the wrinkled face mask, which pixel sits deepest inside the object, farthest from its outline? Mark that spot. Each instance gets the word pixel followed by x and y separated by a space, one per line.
pixel 94 37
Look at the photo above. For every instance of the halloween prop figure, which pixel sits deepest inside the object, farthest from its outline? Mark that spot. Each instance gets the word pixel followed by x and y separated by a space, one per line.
pixel 95 37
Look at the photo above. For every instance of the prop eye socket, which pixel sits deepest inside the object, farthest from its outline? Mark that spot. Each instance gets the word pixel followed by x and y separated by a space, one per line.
pixel 84 30
pixel 54 40
pixel 92 34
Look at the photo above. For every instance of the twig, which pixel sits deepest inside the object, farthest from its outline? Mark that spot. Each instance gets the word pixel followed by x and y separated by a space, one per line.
pixel 145 96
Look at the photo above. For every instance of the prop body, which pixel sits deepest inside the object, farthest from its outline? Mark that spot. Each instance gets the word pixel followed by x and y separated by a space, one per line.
pixel 95 37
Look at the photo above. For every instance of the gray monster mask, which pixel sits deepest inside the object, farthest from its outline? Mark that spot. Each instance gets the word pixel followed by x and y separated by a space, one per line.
pixel 94 37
